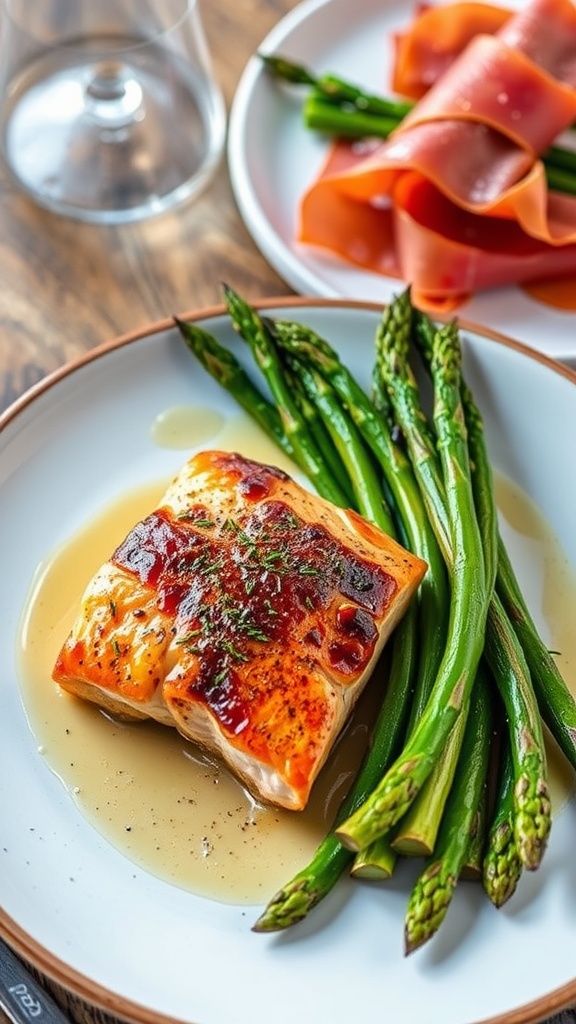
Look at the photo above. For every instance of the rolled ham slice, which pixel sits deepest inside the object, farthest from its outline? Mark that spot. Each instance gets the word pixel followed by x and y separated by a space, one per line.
pixel 457 199
pixel 437 35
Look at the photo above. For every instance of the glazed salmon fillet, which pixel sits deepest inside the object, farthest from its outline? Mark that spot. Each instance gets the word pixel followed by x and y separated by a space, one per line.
pixel 248 613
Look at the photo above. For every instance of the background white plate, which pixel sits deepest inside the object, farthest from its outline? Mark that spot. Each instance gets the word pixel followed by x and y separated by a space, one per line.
pixel 143 948
pixel 272 160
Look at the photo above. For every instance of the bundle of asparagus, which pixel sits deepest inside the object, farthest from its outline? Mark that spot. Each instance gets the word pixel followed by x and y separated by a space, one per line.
pixel 340 109
pixel 456 767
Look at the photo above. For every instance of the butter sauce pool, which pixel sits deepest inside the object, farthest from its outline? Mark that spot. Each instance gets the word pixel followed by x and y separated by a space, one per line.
pixel 156 797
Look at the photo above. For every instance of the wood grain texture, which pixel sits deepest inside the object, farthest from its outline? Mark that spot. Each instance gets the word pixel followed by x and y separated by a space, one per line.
pixel 68 286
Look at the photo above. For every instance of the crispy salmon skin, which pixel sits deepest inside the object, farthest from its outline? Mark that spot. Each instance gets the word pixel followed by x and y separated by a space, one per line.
pixel 248 613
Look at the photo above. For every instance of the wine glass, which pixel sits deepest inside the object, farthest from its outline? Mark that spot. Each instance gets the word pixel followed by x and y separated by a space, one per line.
pixel 109 109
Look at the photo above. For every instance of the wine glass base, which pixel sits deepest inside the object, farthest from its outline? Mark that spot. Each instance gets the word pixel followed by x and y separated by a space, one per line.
pixel 115 143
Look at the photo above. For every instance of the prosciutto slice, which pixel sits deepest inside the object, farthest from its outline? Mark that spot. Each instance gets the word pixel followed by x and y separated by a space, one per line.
pixel 435 38
pixel 457 199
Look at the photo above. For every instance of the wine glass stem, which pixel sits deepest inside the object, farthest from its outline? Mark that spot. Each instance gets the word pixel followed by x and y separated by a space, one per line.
pixel 113 96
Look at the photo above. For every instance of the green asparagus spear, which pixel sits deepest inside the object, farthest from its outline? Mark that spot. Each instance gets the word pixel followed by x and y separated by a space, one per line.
pixel 370 500
pixel 226 369
pixel 430 899
pixel 321 115
pixel 481 469
pixel 502 866
pixel 416 834
pixel 473 866
pixel 334 88
pixel 376 861
pixel 333 465
pixel 393 375
pixel 305 452
pixel 556 702
pixel 532 817
pixel 231 375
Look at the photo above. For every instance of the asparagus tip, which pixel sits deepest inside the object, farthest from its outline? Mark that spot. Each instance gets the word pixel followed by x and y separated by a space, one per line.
pixel 428 905
pixel 290 905
pixel 288 70
pixel 533 820
pixel 502 865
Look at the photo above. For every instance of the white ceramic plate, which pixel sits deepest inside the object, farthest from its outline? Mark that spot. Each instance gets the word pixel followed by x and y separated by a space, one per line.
pixel 272 160
pixel 147 950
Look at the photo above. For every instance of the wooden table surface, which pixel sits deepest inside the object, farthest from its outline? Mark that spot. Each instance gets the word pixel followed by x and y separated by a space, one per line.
pixel 67 287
